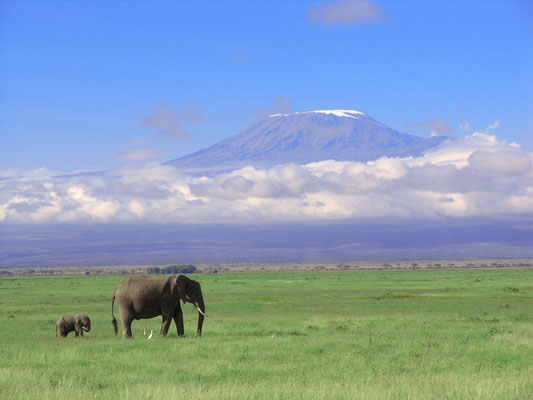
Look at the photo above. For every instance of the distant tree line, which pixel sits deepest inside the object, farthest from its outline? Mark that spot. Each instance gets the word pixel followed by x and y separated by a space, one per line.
pixel 172 269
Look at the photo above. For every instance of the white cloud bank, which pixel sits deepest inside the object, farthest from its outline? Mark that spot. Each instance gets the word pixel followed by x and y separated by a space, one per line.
pixel 478 175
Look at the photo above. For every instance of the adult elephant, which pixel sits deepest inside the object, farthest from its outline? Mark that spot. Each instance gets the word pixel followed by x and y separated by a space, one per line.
pixel 142 297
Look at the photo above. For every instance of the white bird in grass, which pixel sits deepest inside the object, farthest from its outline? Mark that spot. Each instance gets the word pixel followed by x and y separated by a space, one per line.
pixel 151 333
pixel 144 331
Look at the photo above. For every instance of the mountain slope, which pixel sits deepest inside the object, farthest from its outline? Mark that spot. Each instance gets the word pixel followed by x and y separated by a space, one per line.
pixel 308 137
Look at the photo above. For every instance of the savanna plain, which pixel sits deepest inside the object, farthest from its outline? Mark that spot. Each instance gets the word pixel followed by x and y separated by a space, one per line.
pixel 413 334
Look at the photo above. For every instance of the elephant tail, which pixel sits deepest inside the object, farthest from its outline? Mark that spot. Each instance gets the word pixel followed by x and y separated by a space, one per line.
pixel 114 321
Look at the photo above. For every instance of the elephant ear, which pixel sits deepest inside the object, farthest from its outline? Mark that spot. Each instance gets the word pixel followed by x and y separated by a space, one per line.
pixel 77 318
pixel 183 283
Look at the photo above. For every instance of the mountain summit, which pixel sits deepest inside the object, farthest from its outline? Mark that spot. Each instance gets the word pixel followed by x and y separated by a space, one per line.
pixel 304 137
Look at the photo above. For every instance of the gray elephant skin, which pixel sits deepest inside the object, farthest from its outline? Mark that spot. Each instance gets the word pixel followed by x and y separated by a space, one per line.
pixel 73 323
pixel 142 297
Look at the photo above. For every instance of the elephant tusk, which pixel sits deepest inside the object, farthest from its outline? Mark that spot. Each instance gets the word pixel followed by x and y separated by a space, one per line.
pixel 200 311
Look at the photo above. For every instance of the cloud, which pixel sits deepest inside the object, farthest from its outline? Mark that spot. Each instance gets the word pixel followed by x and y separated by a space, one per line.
pixel 167 122
pixel 475 176
pixel 261 112
pixel 171 132
pixel 346 12
pixel 502 161
pixel 137 155
pixel 134 142
pixel 438 127
pixel 465 126
pixel 281 105
pixel 492 126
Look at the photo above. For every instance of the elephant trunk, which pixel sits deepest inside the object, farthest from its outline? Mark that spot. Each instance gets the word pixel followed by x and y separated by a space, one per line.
pixel 201 313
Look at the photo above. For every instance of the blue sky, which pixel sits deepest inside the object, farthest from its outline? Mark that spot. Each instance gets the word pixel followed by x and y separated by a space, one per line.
pixel 89 85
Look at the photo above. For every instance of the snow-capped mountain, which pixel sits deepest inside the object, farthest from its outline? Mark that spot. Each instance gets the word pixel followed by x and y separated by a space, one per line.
pixel 304 137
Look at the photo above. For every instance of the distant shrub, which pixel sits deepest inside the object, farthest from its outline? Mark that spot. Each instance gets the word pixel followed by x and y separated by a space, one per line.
pixel 172 269
pixel 343 267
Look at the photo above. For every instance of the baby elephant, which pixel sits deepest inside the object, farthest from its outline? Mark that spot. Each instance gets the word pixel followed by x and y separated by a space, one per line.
pixel 77 323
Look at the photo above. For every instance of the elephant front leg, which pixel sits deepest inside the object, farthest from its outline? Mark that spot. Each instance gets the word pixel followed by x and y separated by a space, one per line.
pixel 78 330
pixel 178 319
pixel 167 319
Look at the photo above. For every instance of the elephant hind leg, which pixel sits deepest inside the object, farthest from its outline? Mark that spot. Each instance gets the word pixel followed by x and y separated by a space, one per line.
pixel 126 328
pixel 126 318
pixel 62 331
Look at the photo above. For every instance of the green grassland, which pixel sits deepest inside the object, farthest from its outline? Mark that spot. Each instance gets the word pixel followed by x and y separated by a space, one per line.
pixel 440 334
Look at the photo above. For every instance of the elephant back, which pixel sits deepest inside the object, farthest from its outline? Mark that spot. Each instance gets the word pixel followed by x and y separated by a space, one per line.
pixel 143 293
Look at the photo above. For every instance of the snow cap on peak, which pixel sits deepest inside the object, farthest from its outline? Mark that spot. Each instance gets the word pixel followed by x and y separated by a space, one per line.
pixel 338 113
